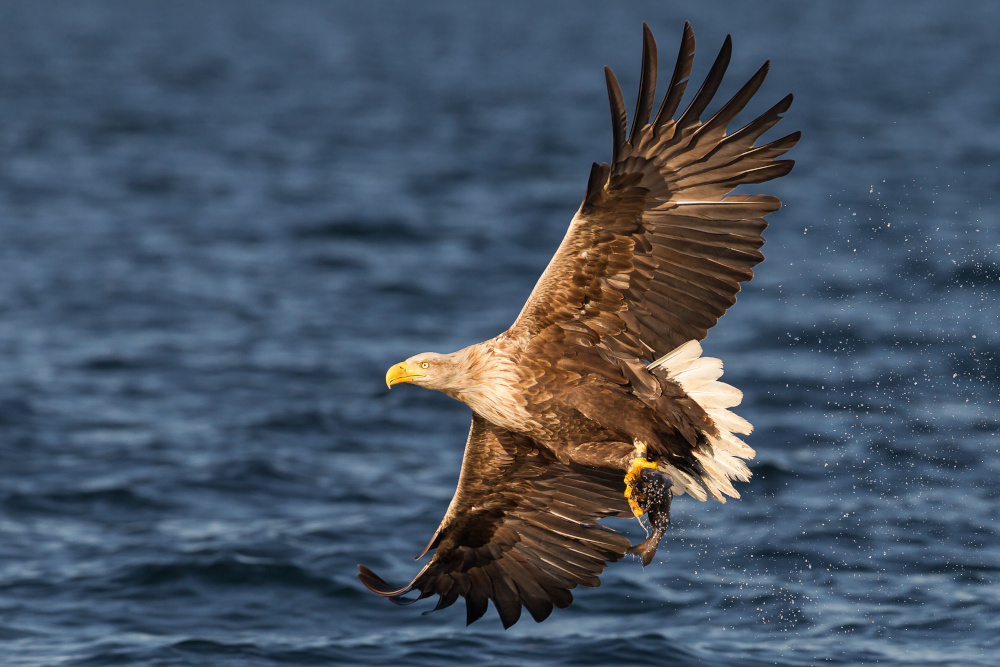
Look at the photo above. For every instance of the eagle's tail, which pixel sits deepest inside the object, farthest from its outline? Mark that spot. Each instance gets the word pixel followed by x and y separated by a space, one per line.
pixel 720 453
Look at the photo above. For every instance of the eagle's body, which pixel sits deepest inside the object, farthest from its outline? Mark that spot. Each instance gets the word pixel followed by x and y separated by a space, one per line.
pixel 583 415
pixel 597 402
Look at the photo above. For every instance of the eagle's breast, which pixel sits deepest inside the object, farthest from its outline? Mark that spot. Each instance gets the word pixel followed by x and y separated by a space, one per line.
pixel 491 384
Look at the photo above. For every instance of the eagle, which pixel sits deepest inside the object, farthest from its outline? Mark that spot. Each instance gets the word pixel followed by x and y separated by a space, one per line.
pixel 597 401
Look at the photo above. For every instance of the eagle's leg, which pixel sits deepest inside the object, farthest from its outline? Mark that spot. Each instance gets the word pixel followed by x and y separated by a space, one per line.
pixel 648 492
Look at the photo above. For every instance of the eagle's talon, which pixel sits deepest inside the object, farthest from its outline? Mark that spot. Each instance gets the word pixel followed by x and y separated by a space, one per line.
pixel 637 497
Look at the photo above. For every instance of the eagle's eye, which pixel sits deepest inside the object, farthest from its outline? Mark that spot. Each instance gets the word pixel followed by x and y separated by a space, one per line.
pixel 425 365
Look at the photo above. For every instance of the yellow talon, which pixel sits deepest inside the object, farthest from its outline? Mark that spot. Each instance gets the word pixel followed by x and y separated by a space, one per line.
pixel 638 463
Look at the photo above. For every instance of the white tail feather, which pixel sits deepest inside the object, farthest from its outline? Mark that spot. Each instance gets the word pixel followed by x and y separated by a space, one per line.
pixel 683 482
pixel 717 395
pixel 679 359
pixel 728 442
pixel 730 421
pixel 716 477
pixel 733 467
pixel 699 373
pixel 721 458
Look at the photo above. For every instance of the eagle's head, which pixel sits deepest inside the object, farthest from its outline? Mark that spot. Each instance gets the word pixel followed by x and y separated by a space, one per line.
pixel 428 369
pixel 478 376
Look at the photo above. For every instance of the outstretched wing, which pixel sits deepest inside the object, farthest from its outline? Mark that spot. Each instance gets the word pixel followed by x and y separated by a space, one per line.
pixel 520 530
pixel 657 251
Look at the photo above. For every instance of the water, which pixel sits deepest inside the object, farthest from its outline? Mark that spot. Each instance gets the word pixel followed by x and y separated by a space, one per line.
pixel 221 224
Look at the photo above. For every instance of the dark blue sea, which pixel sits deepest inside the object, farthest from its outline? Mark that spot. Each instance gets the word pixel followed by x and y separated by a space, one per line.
pixel 221 222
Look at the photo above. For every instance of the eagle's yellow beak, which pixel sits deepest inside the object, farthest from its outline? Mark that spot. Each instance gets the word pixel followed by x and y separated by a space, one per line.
pixel 403 372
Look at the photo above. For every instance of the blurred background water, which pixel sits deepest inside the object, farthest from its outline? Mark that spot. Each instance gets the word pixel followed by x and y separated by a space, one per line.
pixel 221 222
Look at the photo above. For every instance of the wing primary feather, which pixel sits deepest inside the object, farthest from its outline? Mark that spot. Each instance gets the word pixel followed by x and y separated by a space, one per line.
pixel 647 83
pixel 735 105
pixel 595 183
pixel 447 599
pixel 763 122
pixel 786 142
pixel 708 89
pixel 377 584
pixel 678 80
pixel 618 119
pixel 725 158
pixel 774 170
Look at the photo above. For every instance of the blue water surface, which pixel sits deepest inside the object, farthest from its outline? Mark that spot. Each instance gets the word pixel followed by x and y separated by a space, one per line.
pixel 221 222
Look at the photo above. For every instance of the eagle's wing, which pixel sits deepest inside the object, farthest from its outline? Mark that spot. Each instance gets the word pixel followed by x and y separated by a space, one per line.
pixel 655 254
pixel 520 530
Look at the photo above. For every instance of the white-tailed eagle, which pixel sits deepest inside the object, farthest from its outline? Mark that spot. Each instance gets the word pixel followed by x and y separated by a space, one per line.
pixel 597 402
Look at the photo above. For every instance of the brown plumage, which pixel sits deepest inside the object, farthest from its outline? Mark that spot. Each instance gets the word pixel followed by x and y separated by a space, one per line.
pixel 602 367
